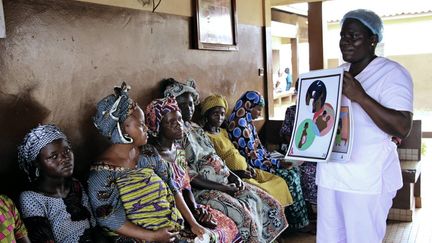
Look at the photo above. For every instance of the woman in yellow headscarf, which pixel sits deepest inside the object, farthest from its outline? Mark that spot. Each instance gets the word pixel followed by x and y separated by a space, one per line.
pixel 213 110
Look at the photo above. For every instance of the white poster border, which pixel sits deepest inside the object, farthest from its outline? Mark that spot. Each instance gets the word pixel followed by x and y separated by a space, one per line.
pixel 344 156
pixel 310 154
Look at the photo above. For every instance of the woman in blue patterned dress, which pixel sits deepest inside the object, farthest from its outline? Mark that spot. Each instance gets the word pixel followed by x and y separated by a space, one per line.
pixel 308 169
pixel 244 136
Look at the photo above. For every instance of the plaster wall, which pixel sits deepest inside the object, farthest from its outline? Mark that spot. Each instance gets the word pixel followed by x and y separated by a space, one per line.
pixel 60 57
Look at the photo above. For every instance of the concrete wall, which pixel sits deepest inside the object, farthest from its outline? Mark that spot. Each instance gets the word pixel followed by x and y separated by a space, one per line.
pixel 413 53
pixel 60 57
pixel 248 11
pixel 418 66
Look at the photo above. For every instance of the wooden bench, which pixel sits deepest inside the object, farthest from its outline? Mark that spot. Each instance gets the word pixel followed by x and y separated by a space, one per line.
pixel 409 196
pixel 284 97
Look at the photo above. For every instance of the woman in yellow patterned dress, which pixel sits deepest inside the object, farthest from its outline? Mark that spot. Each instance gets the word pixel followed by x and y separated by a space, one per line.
pixel 213 110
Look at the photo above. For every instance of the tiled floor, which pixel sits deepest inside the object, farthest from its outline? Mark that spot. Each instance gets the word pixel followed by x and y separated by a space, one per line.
pixel 418 231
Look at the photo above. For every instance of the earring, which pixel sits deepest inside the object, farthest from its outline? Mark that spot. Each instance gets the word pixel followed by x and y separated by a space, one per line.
pixel 127 138
pixel 37 172
pixel 373 44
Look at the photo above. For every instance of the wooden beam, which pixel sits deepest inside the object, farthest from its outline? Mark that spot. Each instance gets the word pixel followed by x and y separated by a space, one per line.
pixel 315 36
pixel 426 134
pixel 268 61
pixel 294 60
pixel 287 2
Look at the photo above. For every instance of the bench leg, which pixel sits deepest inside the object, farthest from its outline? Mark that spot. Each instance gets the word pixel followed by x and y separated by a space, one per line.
pixel 417 192
pixel 404 197
pixel 403 207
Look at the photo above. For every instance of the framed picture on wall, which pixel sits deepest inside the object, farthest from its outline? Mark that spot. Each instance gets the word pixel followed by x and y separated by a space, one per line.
pixel 216 25
pixel 317 115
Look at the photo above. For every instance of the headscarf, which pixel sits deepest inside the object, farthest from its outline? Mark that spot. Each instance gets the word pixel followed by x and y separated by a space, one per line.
pixel 247 101
pixel 370 19
pixel 112 111
pixel 243 134
pixel 177 89
pixel 33 142
pixel 241 115
pixel 213 100
pixel 156 110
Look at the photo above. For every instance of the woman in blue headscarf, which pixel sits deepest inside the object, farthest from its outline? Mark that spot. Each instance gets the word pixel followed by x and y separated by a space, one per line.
pixel 307 169
pixel 56 208
pixel 132 203
pixel 244 136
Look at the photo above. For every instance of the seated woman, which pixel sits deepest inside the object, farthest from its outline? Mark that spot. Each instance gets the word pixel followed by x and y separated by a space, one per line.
pixel 258 216
pixel 307 169
pixel 213 110
pixel 243 134
pixel 165 124
pixel 56 209
pixel 12 228
pixel 132 203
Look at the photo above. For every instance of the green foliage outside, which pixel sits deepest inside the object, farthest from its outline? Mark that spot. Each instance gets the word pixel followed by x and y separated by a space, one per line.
pixel 423 148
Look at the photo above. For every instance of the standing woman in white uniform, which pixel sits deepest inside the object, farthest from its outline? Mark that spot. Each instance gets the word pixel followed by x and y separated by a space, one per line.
pixel 354 198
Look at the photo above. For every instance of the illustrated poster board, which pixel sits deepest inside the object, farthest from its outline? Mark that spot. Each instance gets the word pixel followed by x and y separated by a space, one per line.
pixel 317 112
pixel 2 21
pixel 342 146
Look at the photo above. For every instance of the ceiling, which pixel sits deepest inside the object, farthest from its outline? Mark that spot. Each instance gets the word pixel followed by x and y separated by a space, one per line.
pixel 286 2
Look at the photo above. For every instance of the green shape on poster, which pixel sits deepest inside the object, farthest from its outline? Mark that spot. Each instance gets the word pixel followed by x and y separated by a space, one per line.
pixel 305 136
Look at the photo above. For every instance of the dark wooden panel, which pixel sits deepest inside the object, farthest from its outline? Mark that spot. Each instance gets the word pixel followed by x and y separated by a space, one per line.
pixel 271 132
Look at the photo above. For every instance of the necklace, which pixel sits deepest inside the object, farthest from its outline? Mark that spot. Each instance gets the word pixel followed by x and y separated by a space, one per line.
pixel 214 130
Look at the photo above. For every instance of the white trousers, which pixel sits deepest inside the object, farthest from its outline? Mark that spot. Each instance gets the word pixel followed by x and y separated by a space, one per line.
pixel 352 218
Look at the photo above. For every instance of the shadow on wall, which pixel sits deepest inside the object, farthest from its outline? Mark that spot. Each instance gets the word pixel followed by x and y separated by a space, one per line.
pixel 20 113
pixel 92 145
